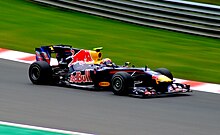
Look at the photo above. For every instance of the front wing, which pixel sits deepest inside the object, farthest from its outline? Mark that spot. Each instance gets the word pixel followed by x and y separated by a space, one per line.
pixel 174 88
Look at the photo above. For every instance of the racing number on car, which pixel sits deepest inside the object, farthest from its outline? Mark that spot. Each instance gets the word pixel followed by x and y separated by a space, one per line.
pixel 78 77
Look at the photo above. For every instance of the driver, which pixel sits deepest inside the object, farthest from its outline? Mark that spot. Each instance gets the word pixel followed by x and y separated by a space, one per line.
pixel 106 62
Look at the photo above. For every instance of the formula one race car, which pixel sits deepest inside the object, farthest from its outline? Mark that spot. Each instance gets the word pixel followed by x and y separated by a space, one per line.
pixel 87 69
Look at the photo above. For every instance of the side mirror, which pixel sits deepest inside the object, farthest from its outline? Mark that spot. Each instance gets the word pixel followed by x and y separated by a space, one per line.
pixel 145 67
pixel 127 63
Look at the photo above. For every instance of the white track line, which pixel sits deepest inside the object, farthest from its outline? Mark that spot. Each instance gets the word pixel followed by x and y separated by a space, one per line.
pixel 42 128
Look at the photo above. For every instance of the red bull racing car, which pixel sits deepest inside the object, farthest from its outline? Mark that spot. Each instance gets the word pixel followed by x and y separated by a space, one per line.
pixel 87 69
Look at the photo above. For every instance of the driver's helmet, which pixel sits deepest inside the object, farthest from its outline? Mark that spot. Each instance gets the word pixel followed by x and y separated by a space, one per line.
pixel 106 61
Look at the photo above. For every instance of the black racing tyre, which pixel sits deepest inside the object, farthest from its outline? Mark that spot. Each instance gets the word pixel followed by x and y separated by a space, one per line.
pixel 121 83
pixel 40 72
pixel 165 72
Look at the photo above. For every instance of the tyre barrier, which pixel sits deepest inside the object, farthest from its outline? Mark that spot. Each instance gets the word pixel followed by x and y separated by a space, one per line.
pixel 181 16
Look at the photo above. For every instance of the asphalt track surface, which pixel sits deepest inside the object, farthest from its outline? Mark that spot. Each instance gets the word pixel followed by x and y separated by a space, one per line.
pixel 103 113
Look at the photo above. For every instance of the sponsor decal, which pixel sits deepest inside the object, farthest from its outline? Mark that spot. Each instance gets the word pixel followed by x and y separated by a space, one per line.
pixel 156 79
pixel 82 55
pixel 78 77
pixel 104 84
pixel 38 56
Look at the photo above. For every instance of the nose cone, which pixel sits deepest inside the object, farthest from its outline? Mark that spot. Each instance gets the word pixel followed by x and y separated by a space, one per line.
pixel 163 78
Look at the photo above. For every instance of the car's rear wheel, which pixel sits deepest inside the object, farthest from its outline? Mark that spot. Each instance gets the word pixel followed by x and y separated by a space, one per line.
pixel 122 83
pixel 40 72
pixel 165 72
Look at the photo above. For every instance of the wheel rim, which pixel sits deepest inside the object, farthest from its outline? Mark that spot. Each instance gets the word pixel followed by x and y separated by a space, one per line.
pixel 35 73
pixel 117 84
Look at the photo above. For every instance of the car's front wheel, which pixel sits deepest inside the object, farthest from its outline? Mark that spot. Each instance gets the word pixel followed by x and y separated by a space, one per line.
pixel 165 72
pixel 122 83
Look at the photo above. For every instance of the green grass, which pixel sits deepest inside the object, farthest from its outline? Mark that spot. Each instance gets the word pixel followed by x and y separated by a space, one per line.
pixel 25 25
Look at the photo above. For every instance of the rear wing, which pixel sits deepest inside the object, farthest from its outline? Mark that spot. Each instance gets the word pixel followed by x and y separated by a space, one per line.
pixel 63 52
pixel 44 53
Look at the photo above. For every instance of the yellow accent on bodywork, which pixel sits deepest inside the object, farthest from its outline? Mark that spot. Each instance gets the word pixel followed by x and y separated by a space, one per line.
pixel 51 48
pixel 104 84
pixel 96 56
pixel 97 49
pixel 163 78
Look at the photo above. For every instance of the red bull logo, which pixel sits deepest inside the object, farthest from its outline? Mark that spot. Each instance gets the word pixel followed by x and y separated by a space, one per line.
pixel 82 55
pixel 80 78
